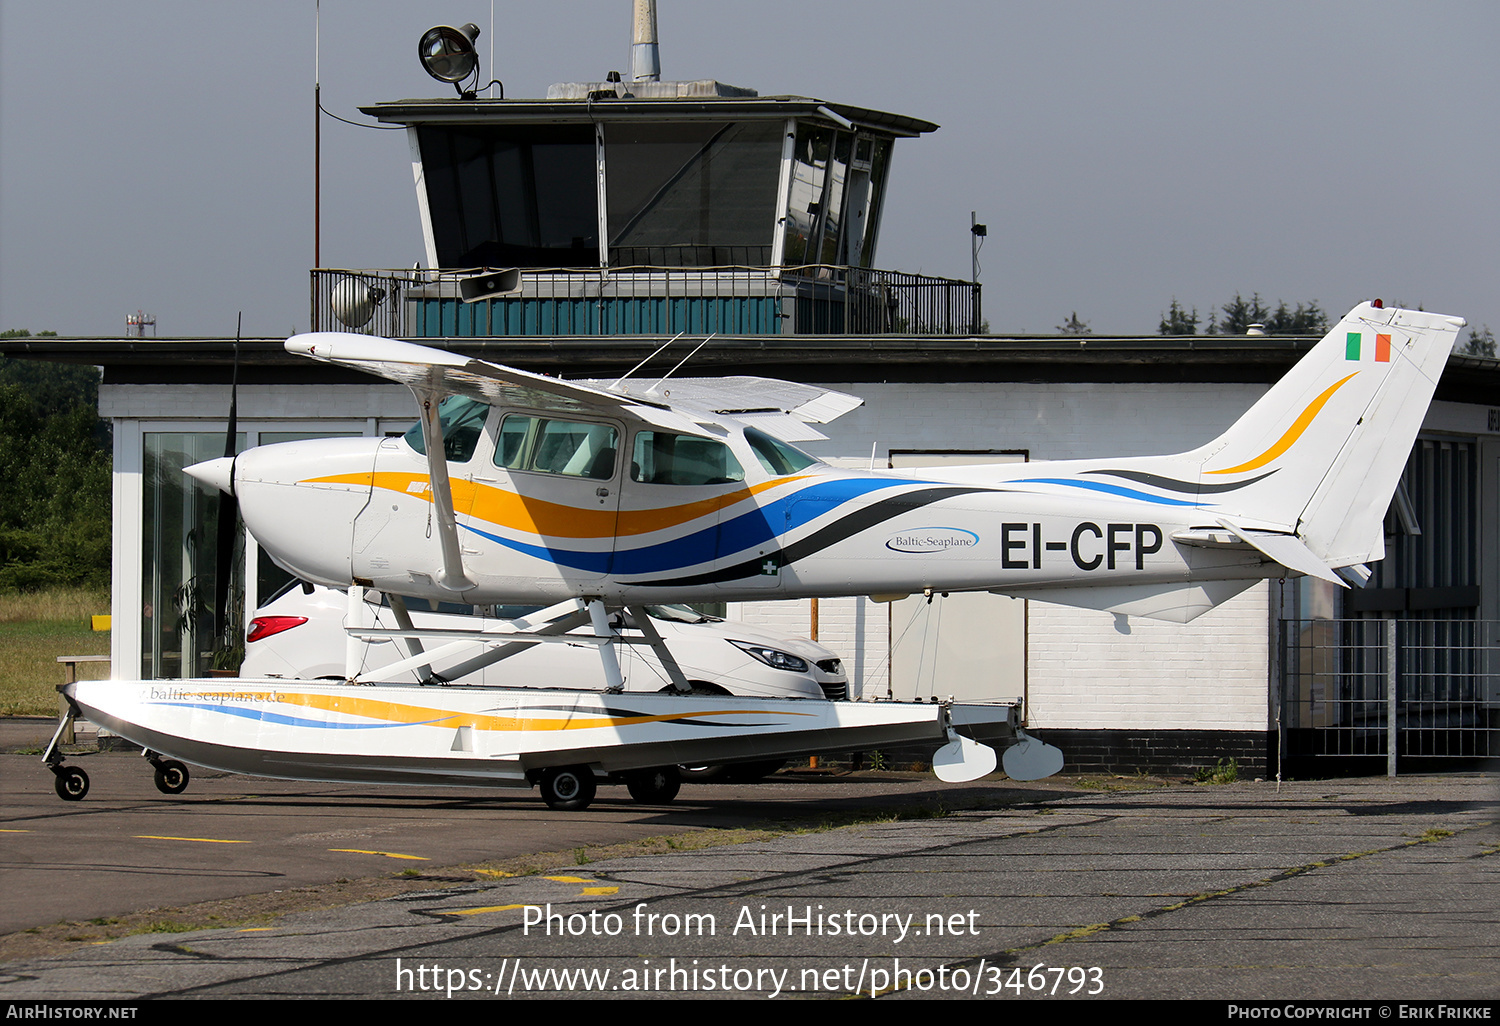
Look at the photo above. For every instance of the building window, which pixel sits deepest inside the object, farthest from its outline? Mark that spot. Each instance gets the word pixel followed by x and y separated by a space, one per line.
pixel 179 556
pixel 1431 564
pixel 512 196
pixel 180 574
pixel 699 194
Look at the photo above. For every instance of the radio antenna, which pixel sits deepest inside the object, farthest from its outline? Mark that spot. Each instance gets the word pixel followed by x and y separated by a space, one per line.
pixel 624 377
pixel 680 362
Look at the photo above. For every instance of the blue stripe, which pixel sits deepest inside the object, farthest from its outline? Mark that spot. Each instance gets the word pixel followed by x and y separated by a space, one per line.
pixel 589 562
pixel 291 721
pixel 1099 486
pixel 716 541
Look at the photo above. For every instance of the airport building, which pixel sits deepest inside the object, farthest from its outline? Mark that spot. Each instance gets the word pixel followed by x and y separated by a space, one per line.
pixel 632 212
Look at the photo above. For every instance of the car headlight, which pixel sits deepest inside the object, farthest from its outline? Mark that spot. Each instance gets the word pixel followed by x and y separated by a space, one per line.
pixel 773 657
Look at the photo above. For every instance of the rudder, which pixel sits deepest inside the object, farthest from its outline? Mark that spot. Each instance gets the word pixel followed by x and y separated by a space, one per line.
pixel 1320 454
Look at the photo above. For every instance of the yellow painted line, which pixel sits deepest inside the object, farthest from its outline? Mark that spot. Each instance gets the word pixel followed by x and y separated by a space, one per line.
pixel 493 872
pixel 570 879
pixel 9 831
pixel 196 840
pixel 256 929
pixel 601 890
pixel 480 911
pixel 387 854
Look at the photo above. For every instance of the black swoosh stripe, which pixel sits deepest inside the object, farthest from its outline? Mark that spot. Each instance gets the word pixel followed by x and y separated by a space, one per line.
pixel 681 719
pixel 834 533
pixel 1184 487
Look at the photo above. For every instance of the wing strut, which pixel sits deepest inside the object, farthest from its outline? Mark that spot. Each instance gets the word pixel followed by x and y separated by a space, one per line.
pixel 453 577
pixel 507 639
pixel 614 680
pixel 668 661
pixel 413 645
pixel 548 623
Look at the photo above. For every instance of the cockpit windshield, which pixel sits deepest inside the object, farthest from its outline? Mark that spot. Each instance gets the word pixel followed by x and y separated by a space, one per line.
pixel 463 422
pixel 776 456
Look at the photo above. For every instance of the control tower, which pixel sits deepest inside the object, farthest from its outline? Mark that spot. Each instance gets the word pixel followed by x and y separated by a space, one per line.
pixel 646 207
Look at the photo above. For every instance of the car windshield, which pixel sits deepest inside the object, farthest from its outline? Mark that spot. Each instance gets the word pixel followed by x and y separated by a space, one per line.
pixel 679 614
pixel 295 582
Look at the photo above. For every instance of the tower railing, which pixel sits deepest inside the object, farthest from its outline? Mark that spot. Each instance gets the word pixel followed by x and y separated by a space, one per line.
pixel 738 300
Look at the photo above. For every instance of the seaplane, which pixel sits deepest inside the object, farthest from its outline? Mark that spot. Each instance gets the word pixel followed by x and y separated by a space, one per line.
pixel 595 496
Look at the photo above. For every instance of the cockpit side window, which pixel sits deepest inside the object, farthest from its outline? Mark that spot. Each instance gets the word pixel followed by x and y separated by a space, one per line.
pixel 663 457
pixel 548 446
pixel 776 456
pixel 463 420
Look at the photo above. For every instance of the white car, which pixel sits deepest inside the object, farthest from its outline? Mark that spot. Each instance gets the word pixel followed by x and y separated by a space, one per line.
pixel 299 633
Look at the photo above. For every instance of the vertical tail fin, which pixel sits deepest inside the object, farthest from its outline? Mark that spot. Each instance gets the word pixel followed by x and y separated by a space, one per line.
pixel 1321 453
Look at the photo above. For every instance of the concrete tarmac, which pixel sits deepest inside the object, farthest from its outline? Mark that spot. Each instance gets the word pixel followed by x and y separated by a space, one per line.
pixel 127 847
pixel 1367 890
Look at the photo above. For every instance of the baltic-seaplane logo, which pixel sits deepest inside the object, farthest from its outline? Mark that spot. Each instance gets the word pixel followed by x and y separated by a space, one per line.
pixel 932 539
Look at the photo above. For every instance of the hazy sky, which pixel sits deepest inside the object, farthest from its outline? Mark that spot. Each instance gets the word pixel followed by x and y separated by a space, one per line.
pixel 159 155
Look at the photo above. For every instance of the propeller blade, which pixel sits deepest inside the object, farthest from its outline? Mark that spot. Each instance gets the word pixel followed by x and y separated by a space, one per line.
pixel 229 511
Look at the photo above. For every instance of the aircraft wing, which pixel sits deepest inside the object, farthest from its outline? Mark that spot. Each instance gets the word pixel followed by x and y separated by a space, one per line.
pixel 431 369
pixel 785 409
pixel 766 402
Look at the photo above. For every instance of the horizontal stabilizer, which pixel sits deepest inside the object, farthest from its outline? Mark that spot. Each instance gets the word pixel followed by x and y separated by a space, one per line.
pixel 1357 575
pixel 1286 549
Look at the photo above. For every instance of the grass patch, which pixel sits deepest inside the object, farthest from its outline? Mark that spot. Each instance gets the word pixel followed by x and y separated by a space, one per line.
pixel 1227 771
pixel 168 926
pixel 1138 781
pixel 36 628
pixel 53 604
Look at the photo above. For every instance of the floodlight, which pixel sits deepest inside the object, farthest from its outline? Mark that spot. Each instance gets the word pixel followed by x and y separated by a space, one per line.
pixel 448 53
pixel 353 302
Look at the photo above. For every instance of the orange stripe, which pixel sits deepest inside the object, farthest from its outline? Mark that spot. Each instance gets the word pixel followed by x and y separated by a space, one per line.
pixel 1292 433
pixel 396 712
pixel 524 513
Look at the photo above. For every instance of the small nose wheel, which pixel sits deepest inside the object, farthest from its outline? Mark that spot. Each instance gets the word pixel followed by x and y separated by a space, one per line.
pixel 71 783
pixel 171 776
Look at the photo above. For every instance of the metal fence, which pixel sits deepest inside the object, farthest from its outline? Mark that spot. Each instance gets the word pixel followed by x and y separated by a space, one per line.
pixel 1392 688
pixel 367 302
pixel 812 300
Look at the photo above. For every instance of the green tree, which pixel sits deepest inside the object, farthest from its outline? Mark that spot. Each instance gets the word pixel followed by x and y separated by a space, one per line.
pixel 1239 313
pixel 1481 342
pixel 1305 320
pixel 1073 326
pixel 55 492
pixel 1177 321
pixel 1236 316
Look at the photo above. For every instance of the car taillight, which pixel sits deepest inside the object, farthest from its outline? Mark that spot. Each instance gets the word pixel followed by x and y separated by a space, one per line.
pixel 265 626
